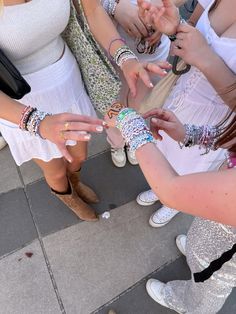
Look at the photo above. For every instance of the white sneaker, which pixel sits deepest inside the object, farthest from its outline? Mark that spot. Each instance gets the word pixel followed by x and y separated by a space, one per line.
pixel 155 289
pixel 131 156
pixel 118 157
pixel 162 216
pixel 147 198
pixel 3 143
pixel 181 243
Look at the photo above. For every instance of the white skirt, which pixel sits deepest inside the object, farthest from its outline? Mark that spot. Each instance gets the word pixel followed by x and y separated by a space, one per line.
pixel 55 89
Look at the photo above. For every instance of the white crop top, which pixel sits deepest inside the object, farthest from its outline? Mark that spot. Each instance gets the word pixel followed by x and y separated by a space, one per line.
pixel 30 33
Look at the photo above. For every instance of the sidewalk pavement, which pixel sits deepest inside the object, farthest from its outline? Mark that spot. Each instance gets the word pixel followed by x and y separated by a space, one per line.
pixel 51 262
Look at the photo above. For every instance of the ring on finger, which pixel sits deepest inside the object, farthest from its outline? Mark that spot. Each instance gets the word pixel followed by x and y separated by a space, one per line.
pixel 62 135
pixel 66 125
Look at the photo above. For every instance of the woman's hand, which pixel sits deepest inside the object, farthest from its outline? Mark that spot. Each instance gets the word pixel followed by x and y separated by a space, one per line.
pixel 134 70
pixel 165 120
pixel 191 46
pixel 126 14
pixel 59 128
pixel 165 17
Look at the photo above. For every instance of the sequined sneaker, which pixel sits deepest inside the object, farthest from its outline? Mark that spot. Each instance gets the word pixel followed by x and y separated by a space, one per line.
pixel 3 143
pixel 131 156
pixel 118 157
pixel 147 198
pixel 181 243
pixel 155 289
pixel 162 216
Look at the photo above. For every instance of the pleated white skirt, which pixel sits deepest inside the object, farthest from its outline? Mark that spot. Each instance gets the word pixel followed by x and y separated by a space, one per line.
pixel 55 89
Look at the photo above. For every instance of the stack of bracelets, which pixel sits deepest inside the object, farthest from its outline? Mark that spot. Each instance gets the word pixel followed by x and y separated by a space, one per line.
pixel 30 120
pixel 123 54
pixel 110 6
pixel 133 129
pixel 204 136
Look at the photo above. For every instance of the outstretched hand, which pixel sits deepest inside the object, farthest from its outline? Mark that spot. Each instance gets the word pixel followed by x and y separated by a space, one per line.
pixel 59 128
pixel 165 120
pixel 163 17
pixel 126 14
pixel 134 70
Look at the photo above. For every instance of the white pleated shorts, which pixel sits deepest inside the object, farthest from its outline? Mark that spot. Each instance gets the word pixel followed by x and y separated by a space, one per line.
pixel 55 89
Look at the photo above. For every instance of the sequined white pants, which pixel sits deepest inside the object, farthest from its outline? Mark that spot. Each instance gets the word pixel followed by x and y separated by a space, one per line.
pixel 206 241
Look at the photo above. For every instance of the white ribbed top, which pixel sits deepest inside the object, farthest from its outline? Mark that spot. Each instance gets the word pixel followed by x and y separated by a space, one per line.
pixel 30 33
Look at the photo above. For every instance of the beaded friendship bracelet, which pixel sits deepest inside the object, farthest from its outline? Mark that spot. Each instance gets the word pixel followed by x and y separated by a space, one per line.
pixel 133 129
pixel 123 54
pixel 31 119
pixel 205 136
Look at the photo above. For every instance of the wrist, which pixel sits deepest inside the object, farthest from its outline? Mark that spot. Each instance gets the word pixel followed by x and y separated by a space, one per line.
pixel 209 60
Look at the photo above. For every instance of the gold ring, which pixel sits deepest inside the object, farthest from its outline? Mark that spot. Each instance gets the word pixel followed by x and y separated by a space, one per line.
pixel 66 125
pixel 62 135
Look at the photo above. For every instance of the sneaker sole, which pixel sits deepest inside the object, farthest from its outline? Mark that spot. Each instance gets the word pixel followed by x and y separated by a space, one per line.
pixel 142 203
pixel 155 225
pixel 118 165
pixel 150 293
pixel 179 246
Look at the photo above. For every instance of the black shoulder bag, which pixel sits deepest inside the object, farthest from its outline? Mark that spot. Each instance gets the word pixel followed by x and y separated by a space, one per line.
pixel 11 81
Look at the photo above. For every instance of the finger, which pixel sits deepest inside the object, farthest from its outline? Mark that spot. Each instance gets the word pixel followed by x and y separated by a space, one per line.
pixel 81 126
pixel 79 136
pixel 155 38
pixel 185 28
pixel 132 85
pixel 67 117
pixel 158 112
pixel 155 133
pixel 134 31
pixel 65 152
pixel 164 65
pixel 160 124
pixel 143 74
pixel 141 28
pixel 156 69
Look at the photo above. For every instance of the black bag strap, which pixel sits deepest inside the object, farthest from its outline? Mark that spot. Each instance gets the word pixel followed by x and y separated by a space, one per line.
pixel 215 265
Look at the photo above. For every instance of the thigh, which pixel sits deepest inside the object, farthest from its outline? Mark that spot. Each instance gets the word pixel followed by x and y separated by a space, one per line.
pixel 52 167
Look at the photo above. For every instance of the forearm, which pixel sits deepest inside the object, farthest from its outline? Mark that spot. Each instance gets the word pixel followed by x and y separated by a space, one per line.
pixel 219 76
pixel 202 194
pixel 10 109
pixel 101 25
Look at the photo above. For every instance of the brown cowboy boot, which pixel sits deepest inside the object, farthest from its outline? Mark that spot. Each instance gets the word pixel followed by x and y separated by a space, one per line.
pixel 83 191
pixel 77 205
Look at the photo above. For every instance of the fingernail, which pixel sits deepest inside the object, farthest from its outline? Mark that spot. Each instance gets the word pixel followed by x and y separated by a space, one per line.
pixel 164 71
pixel 104 123
pixel 87 137
pixel 99 128
pixel 151 85
pixel 154 120
pixel 70 161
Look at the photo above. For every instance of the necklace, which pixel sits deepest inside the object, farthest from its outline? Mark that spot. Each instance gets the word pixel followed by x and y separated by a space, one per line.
pixel 231 160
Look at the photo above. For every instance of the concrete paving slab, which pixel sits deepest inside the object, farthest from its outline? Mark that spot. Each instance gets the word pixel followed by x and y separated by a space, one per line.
pixel 97 144
pixel 9 178
pixel 16 224
pixel 115 186
pixel 30 172
pixel 137 301
pixel 26 287
pixel 94 262
pixel 49 212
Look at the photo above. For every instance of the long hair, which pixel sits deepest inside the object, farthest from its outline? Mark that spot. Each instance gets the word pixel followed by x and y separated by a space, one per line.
pixel 228 125
pixel 214 5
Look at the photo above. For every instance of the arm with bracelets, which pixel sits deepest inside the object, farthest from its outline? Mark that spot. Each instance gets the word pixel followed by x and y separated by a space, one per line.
pixel 209 195
pixel 57 128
